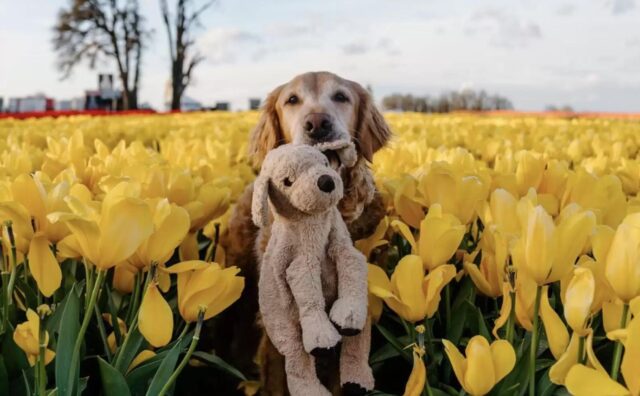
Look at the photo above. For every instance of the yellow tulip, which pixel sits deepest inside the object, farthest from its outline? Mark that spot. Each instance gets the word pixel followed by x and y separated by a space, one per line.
pixel 108 236
pixel 490 275
pixel 405 200
pixel 375 240
pixel 548 252
pixel 579 299
pixel 501 212
pixel 418 376
pixel 557 334
pixel 529 171
pixel 484 366
pixel 410 293
pixel 27 337
pixel 585 381
pixel 440 236
pixel 171 224
pixel 206 286
pixel 155 319
pixel 622 269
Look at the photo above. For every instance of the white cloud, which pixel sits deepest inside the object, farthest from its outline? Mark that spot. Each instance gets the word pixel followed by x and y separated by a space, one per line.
pixel 621 6
pixel 504 28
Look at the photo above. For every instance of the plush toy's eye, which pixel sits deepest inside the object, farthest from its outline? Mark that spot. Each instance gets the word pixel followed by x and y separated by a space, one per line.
pixel 293 99
pixel 287 182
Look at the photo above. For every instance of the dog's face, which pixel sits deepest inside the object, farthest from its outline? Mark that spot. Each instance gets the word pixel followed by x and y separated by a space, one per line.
pixel 319 107
pixel 298 180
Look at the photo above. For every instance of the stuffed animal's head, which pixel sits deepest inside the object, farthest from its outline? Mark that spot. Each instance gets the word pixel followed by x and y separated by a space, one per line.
pixel 298 180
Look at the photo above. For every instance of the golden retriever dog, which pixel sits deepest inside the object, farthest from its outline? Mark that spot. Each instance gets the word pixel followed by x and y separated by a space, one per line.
pixel 311 108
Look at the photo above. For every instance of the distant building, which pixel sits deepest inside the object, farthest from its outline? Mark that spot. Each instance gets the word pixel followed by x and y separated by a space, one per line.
pixel 1 104
pixel 222 106
pixel 254 103
pixel 105 97
pixel 33 103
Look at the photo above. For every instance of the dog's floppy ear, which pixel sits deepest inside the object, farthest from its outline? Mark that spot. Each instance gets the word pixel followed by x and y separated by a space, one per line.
pixel 260 201
pixel 372 131
pixel 267 135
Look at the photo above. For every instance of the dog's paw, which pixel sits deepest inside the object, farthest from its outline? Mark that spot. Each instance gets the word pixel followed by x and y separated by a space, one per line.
pixel 348 316
pixel 353 389
pixel 319 335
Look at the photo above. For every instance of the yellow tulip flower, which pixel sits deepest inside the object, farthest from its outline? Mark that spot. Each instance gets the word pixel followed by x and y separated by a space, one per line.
pixel 406 202
pixel 548 252
pixel 140 358
pixel 440 236
pixel 170 226
pixel 418 377
pixel 410 293
pixel 100 234
pixel 501 211
pixel 484 366
pixel 579 299
pixel 207 286
pixel 529 170
pixel 490 275
pixel 375 240
pixel 43 265
pixel 622 269
pixel 155 319
pixel 27 337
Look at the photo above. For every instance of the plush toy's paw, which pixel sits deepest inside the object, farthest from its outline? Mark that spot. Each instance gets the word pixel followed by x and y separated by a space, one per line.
pixel 348 316
pixel 319 336
pixel 353 389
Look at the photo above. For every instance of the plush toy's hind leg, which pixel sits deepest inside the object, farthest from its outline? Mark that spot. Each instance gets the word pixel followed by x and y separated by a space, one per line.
pixel 301 374
pixel 355 374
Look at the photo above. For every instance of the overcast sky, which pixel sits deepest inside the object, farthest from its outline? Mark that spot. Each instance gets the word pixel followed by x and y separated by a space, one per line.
pixel 582 53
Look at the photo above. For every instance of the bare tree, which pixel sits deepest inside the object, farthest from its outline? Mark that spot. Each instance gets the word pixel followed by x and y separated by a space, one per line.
pixel 179 27
pixel 103 30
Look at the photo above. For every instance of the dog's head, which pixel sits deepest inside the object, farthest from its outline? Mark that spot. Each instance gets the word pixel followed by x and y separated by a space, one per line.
pixel 298 180
pixel 319 107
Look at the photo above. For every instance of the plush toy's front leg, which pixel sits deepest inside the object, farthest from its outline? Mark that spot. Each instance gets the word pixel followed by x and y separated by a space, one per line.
pixel 356 377
pixel 349 311
pixel 304 278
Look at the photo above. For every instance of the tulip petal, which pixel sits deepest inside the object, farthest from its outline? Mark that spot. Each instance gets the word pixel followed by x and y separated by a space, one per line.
pixel 404 230
pixel 417 378
pixel 141 358
pixel 458 362
pixel 44 266
pixel 478 279
pixel 504 358
pixel 155 318
pixel 631 360
pixel 189 265
pixel 558 371
pixel 480 375
pixel 433 285
pixel 167 235
pixel 557 334
pixel 578 299
pixel 505 310
pixel 189 247
pixel 406 281
pixel 582 381
pixel 128 214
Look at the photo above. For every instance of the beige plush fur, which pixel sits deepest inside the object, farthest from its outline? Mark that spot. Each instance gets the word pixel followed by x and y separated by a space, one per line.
pixel 313 283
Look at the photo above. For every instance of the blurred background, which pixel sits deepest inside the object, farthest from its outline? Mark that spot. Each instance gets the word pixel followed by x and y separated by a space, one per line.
pixel 227 54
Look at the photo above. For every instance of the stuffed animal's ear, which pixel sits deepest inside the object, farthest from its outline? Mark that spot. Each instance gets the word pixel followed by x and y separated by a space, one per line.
pixel 372 131
pixel 260 202
pixel 268 134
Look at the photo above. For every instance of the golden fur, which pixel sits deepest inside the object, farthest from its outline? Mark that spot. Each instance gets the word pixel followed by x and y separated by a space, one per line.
pixel 238 335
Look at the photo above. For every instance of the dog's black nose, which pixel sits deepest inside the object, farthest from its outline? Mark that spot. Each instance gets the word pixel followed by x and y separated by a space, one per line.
pixel 326 184
pixel 317 125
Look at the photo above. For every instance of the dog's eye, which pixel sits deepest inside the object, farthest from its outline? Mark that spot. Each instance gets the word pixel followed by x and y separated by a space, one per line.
pixel 340 97
pixel 293 99
pixel 287 182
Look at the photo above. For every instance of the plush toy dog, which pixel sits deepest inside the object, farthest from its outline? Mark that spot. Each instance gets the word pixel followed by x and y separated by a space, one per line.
pixel 313 282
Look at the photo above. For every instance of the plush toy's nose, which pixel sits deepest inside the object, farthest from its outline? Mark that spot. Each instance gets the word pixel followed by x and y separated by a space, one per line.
pixel 326 184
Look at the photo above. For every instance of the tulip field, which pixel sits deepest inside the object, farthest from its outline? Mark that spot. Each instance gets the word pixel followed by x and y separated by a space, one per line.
pixel 508 262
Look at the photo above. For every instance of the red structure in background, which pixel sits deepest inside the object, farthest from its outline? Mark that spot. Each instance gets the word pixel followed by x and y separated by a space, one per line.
pixel 68 113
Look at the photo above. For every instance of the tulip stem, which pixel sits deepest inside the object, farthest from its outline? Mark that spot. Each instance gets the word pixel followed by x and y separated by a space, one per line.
pixel 447 307
pixel 581 357
pixel 511 322
pixel 187 356
pixel 617 352
pixel 75 357
pixel 103 332
pixel 41 375
pixel 534 343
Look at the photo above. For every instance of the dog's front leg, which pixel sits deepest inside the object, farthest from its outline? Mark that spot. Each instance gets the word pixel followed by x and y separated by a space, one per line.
pixel 319 336
pixel 349 311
